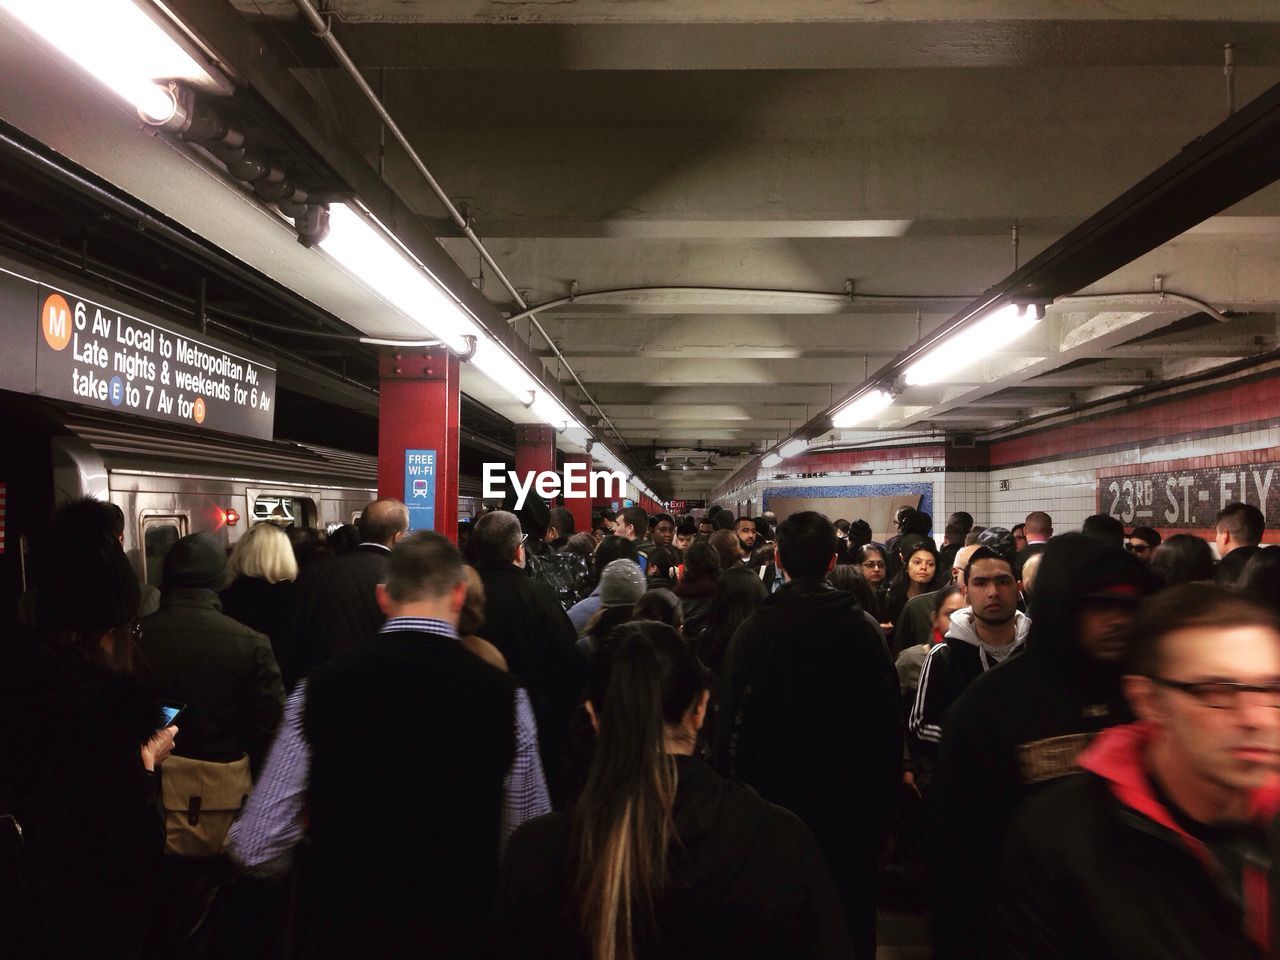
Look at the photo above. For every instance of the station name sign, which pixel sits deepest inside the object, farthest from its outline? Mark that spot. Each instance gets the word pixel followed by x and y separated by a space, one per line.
pixel 92 349
pixel 1190 499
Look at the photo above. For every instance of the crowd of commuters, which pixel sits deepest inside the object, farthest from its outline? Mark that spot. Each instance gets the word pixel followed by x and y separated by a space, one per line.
pixel 665 737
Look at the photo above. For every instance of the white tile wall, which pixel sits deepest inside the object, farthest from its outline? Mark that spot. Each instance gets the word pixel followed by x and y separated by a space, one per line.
pixel 1067 489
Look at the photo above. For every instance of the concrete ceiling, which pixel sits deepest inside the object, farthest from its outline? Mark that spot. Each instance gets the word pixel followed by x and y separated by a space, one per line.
pixel 800 145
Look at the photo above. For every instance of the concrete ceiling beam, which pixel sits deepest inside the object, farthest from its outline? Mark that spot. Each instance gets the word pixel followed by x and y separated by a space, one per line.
pixel 399 39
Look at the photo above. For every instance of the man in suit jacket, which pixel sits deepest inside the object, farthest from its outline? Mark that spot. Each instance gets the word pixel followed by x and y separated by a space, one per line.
pixel 525 621
pixel 1038 529
pixel 337 605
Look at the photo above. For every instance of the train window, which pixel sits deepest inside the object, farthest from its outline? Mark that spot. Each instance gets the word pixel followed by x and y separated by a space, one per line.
pixel 284 510
pixel 159 533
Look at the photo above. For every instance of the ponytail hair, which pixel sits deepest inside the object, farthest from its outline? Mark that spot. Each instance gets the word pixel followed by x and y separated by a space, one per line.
pixel 644 678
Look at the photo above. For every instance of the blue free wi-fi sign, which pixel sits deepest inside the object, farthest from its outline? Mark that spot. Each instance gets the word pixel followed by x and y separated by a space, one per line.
pixel 420 488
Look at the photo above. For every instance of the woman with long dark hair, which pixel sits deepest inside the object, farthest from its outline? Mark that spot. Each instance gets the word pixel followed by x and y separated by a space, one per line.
pixel 737 594
pixel 661 857
pixel 919 574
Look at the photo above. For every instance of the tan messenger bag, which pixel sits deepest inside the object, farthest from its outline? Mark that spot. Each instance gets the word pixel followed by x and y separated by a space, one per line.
pixel 201 800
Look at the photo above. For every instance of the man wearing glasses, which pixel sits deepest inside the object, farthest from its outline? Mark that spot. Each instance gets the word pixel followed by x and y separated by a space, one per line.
pixel 1168 845
pixel 1142 543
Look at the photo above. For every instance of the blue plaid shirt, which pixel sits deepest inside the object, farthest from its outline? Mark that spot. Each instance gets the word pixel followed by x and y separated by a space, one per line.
pixel 264 836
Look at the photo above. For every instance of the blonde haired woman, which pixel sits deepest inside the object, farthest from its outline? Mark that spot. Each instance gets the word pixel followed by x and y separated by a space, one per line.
pixel 262 569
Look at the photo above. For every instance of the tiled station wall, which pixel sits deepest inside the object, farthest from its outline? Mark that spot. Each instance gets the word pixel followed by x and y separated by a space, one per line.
pixel 1183 457
pixel 1168 460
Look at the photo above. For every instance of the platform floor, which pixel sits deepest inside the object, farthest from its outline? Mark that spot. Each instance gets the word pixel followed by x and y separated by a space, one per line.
pixel 902 936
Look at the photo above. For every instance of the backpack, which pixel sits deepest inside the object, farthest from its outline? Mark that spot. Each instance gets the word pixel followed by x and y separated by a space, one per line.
pixel 568 574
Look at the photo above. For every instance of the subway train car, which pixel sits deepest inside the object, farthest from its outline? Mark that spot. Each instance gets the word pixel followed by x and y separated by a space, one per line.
pixel 168 482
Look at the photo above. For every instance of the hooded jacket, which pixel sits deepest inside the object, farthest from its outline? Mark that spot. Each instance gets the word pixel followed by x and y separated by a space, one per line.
pixel 746 880
pixel 1018 728
pixel 951 666
pixel 71 775
pixel 809 715
pixel 1099 866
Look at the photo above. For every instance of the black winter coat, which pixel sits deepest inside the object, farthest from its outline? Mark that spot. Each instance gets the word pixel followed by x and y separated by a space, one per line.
pixel 810 716
pixel 337 608
pixel 1089 874
pixel 224 672
pixel 746 881
pixel 525 621
pixel 1014 729
pixel 79 884
pixel 265 607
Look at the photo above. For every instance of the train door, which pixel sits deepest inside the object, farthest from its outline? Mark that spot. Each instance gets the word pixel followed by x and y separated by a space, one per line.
pixel 158 532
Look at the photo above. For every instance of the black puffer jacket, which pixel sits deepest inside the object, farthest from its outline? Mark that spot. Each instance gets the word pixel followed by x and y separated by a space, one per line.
pixel 1016 728
pixel 746 881
pixel 810 715
pixel 79 885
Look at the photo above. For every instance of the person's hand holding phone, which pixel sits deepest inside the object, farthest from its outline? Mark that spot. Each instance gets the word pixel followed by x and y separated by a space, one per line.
pixel 155 750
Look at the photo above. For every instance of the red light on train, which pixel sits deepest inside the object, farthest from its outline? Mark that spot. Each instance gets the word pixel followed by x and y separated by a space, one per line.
pixel 230 517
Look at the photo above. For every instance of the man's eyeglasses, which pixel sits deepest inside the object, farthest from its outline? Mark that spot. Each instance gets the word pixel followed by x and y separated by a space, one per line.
pixel 873 564
pixel 1136 547
pixel 1224 694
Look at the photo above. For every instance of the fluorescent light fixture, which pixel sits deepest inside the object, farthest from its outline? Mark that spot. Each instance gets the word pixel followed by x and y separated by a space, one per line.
pixel 373 257
pixel 771 461
pixel 120 45
pixel 792 447
pixel 863 408
pixel 495 362
pixel 997 328
pixel 550 410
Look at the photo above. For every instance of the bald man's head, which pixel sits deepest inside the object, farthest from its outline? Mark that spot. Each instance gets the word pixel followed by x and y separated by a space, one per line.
pixel 961 561
pixel 384 522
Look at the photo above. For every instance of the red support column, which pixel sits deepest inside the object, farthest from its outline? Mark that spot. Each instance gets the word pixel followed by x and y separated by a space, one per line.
pixel 418 411
pixel 535 449
pixel 580 507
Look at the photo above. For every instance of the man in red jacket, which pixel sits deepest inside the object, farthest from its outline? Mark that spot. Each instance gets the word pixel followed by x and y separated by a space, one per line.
pixel 1169 844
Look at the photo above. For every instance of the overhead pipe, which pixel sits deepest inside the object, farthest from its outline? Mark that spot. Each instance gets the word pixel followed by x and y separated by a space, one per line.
pixel 322 28
pixel 594 295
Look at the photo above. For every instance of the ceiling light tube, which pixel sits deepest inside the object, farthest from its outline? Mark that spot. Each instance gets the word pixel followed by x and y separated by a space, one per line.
pixel 495 362
pixel 793 447
pixel 121 46
pixel 770 461
pixel 861 408
pixel 998 328
pixel 373 257
pixel 549 410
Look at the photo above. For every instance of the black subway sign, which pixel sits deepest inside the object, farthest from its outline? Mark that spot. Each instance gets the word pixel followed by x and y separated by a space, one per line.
pixel 93 350
pixel 1190 499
